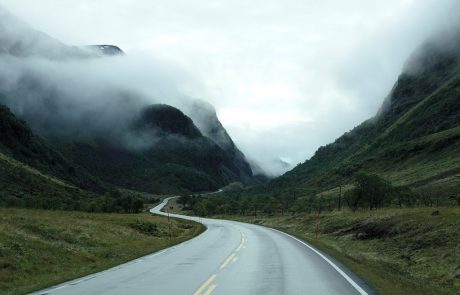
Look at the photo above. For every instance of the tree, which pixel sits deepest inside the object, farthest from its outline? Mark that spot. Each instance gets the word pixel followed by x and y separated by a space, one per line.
pixel 369 190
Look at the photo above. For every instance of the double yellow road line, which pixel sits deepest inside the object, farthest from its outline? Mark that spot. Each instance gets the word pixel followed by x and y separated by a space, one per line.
pixel 207 285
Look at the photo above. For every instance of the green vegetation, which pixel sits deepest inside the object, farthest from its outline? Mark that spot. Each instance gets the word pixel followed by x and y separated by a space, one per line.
pixel 98 176
pixel 362 194
pixel 180 160
pixel 366 191
pixel 168 120
pixel 409 150
pixel 398 251
pixel 24 187
pixel 175 165
pixel 43 248
pixel 18 142
pixel 413 141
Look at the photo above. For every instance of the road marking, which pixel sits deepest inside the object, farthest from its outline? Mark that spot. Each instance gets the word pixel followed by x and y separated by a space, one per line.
pixel 210 289
pixel 350 280
pixel 205 284
pixel 227 261
pixel 241 243
pixel 232 257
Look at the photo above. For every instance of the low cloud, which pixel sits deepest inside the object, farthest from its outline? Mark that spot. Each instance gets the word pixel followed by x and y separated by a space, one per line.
pixel 76 93
pixel 324 67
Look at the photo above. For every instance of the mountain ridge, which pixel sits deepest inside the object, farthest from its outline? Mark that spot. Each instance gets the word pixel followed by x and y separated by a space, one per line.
pixel 417 126
pixel 134 145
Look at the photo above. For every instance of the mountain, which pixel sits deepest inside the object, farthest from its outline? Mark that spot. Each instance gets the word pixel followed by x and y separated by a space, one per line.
pixel 206 119
pixel 33 174
pixel 18 142
pixel 167 120
pixel 109 50
pixel 96 137
pixel 19 40
pixel 413 140
pixel 176 158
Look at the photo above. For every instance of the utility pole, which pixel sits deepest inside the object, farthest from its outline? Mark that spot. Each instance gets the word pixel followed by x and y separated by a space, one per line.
pixel 317 224
pixel 169 224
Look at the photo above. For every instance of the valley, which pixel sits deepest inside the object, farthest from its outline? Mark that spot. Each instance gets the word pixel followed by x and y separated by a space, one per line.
pixel 116 178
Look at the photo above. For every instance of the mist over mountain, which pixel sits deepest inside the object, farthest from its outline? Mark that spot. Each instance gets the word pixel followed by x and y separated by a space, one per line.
pixel 105 112
pixel 109 50
pixel 205 118
pixel 19 40
pixel 413 140
pixel 58 89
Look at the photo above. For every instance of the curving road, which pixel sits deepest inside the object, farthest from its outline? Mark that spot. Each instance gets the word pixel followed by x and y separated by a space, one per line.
pixel 228 258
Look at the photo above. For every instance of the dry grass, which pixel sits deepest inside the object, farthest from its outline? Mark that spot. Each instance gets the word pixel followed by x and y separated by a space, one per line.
pixel 41 248
pixel 398 251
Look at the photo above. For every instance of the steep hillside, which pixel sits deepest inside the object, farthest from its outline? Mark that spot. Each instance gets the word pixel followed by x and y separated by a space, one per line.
pixel 166 120
pixel 205 117
pixel 24 186
pixel 175 158
pixel 95 134
pixel 414 139
pixel 18 142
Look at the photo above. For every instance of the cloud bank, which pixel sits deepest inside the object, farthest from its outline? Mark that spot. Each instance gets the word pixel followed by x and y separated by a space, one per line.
pixel 285 76
pixel 78 93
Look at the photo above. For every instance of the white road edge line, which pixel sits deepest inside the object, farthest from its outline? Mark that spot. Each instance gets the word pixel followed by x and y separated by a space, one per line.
pixel 350 280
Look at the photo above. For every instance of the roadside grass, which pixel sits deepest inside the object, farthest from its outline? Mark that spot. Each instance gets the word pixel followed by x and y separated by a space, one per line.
pixel 397 251
pixel 40 248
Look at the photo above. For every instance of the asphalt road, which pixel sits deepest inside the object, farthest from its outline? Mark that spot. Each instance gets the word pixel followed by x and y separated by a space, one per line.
pixel 228 258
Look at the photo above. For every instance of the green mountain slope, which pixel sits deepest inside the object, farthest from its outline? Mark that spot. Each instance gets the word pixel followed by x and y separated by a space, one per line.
pixel 205 117
pixel 414 139
pixel 179 159
pixel 24 186
pixel 106 136
pixel 17 141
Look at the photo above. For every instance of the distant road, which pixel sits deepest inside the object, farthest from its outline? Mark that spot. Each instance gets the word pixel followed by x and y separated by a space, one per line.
pixel 228 258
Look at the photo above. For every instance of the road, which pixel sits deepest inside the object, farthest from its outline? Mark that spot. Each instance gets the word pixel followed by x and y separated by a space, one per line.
pixel 228 258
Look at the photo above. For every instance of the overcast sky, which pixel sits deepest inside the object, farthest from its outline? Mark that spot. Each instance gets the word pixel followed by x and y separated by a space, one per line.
pixel 286 76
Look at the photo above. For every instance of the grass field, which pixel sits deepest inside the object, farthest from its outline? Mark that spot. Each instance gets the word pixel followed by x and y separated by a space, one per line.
pixel 41 248
pixel 398 251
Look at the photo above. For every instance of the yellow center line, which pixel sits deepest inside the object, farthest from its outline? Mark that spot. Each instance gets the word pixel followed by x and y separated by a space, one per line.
pixel 205 284
pixel 210 289
pixel 227 261
pixel 232 258
pixel 241 243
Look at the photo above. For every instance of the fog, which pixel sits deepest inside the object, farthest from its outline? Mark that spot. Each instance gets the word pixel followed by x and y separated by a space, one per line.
pixel 79 93
pixel 285 76
pixel 88 97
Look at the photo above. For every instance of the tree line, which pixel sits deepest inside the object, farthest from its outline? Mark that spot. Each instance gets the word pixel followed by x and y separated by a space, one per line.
pixel 368 192
pixel 110 202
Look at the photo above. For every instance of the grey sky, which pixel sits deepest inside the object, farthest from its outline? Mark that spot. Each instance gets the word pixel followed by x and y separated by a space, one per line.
pixel 286 76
